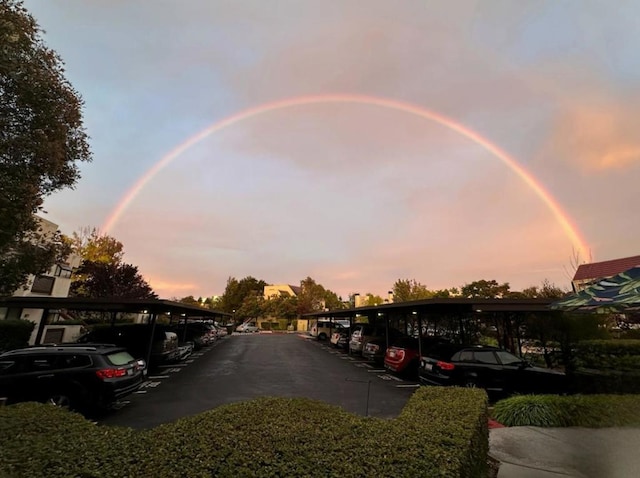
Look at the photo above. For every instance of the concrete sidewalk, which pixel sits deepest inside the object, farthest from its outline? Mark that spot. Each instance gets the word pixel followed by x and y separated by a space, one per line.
pixel 532 452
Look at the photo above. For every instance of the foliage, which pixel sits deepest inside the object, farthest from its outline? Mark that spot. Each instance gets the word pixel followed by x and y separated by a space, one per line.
pixel 236 291
pixel 41 141
pixel 547 290
pixel 441 432
pixel 103 279
pixel 485 289
pixel 590 381
pixel 405 290
pixel 592 411
pixel 189 300
pixel 15 333
pixel 621 355
pixel 314 297
pixel 283 306
pixel 93 246
pixel 252 306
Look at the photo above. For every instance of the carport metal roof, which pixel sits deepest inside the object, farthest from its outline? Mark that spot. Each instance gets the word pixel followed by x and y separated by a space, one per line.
pixel 450 305
pixel 115 304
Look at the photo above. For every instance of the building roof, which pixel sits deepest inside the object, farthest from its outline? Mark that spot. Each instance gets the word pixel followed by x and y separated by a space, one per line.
pixel 600 270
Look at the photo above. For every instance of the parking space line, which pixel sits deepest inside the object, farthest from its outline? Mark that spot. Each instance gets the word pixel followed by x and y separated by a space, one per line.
pixel 157 377
pixel 393 377
pixel 174 370
pixel 140 392
pixel 189 361
pixel 376 370
pixel 408 385
pixel 384 377
pixel 173 366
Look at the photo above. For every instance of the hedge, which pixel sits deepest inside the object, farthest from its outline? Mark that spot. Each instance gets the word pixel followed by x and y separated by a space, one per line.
pixel 594 411
pixel 15 333
pixel 590 381
pixel 621 355
pixel 441 432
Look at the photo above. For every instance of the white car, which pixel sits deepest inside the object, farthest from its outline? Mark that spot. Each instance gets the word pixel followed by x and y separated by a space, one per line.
pixel 247 328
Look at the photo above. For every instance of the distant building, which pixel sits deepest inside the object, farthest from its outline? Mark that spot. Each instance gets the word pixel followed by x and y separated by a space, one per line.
pixel 363 300
pixel 278 290
pixel 54 283
pixel 588 274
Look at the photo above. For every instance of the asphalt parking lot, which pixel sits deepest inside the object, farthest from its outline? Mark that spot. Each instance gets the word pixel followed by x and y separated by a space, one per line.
pixel 243 367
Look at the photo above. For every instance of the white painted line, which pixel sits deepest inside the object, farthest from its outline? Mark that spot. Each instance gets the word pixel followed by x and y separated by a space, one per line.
pixel 384 377
pixel 140 391
pixel 174 370
pixel 188 361
pixel 150 384
pixel 157 377
pixel 368 365
pixel 408 385
pixel 172 366
pixel 376 371
pixel 393 377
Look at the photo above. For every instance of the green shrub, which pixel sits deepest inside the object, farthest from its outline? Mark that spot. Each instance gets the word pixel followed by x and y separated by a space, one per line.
pixel 441 432
pixel 620 355
pixel 15 333
pixel 594 411
pixel 590 381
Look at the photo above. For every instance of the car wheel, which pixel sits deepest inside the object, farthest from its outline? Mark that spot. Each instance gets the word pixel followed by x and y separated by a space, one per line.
pixel 61 399
pixel 470 383
pixel 322 336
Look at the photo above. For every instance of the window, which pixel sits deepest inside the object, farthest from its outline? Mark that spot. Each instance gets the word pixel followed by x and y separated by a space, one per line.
pixel 466 356
pixel 120 358
pixel 508 359
pixel 74 361
pixel 485 356
pixel 63 271
pixel 43 285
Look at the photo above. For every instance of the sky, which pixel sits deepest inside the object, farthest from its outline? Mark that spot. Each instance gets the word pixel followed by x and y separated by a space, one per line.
pixel 354 194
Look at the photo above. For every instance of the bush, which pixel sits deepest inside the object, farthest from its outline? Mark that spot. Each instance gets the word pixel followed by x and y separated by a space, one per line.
pixel 589 381
pixel 441 432
pixel 594 411
pixel 619 355
pixel 15 333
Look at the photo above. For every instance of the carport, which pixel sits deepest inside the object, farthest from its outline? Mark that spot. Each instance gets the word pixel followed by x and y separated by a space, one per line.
pixel 153 308
pixel 420 316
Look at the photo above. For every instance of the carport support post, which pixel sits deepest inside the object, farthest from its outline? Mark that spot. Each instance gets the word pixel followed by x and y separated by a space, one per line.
pixel 153 319
pixel 41 326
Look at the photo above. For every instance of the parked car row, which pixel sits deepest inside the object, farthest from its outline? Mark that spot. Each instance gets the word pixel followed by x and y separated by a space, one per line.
pixel 105 365
pixel 438 361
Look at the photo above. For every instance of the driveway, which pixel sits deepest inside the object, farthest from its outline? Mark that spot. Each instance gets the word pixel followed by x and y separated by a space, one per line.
pixel 242 367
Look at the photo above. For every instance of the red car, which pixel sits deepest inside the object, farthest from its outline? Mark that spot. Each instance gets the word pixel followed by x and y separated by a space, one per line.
pixel 403 357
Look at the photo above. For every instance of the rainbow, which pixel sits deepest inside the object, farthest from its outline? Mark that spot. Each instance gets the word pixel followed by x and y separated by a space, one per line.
pixel 570 230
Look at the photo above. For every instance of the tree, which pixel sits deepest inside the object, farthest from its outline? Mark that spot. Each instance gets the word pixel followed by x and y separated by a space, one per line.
pixel 111 280
pixel 546 290
pixel 92 245
pixel 42 140
pixel 409 289
pixel 190 300
pixel 485 289
pixel 236 290
pixel 314 297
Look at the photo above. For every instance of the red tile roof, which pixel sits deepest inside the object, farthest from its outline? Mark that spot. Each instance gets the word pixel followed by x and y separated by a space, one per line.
pixel 600 270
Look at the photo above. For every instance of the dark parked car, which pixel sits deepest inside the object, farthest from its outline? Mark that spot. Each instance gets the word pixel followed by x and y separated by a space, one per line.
pixel 496 370
pixel 79 377
pixel 135 339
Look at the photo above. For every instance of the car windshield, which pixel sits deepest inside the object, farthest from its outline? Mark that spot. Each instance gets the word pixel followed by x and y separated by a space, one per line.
pixel 120 358
pixel 508 359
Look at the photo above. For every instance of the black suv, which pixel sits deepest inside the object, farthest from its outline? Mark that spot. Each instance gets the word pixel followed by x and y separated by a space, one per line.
pixel 497 371
pixel 78 377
